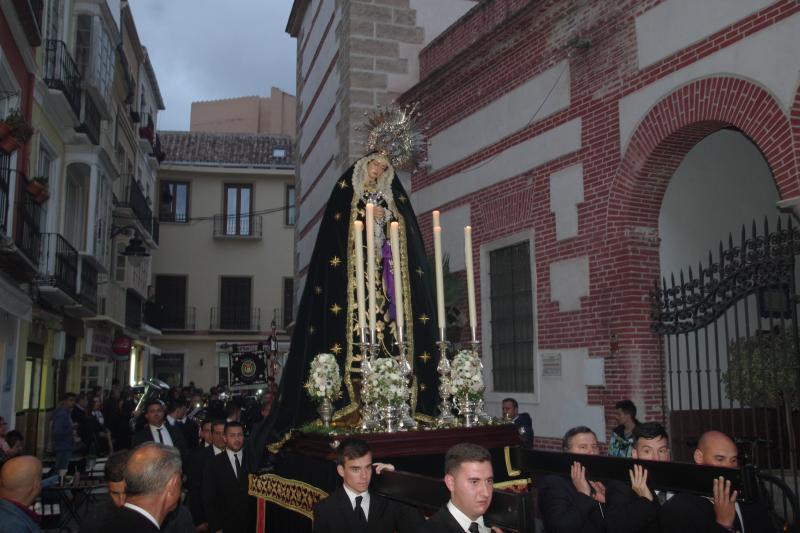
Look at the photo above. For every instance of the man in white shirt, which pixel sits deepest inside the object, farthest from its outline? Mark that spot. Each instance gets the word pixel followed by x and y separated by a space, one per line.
pixel 155 430
pixel 470 479
pixel 228 506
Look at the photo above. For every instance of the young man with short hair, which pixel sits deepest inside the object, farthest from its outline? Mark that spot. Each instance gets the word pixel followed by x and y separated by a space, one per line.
pixel 621 442
pixel 634 508
pixel 521 420
pixel 573 505
pixel 352 507
pixel 227 504
pixel 470 479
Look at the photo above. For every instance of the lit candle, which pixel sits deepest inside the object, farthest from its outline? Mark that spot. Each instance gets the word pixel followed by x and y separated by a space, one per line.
pixel 358 227
pixel 473 321
pixel 437 252
pixel 371 265
pixel 436 219
pixel 394 235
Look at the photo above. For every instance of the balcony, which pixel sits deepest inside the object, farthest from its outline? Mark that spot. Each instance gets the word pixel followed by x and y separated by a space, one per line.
pixel 157 155
pixel 58 271
pixel 27 235
pixel 87 291
pixel 90 120
pixel 235 319
pixel 176 319
pixel 237 227
pixel 5 190
pixel 147 133
pixel 29 13
pixel 131 202
pixel 111 302
pixel 61 75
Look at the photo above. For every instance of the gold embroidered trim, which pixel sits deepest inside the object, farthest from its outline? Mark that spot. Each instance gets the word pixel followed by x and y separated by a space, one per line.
pixel 290 494
pixel 276 446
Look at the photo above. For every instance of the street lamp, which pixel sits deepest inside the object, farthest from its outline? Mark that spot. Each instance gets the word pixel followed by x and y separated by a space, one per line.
pixel 135 251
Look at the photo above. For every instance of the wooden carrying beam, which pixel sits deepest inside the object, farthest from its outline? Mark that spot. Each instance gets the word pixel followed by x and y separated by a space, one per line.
pixel 674 477
pixel 509 511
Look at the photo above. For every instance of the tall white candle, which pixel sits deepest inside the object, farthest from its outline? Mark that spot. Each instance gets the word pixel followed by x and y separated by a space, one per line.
pixel 358 228
pixel 437 253
pixel 436 219
pixel 473 320
pixel 371 264
pixel 394 235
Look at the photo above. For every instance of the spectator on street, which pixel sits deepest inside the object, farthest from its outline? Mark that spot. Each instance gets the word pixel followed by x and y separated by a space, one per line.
pixel 20 483
pixel 4 446
pixel 621 442
pixel 63 433
pixel 15 442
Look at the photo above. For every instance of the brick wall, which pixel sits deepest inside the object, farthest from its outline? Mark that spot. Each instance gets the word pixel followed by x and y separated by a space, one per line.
pixel 623 179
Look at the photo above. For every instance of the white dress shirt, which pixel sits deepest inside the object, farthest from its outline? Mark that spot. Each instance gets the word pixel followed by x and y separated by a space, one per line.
pixel 142 512
pixel 164 433
pixel 218 451
pixel 464 521
pixel 231 453
pixel 364 499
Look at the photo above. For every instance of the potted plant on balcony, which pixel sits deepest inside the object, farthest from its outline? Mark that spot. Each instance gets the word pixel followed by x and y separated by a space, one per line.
pixel 37 188
pixel 20 132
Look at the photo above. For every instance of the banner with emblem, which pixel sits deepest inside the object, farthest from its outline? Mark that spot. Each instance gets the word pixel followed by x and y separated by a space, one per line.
pixel 248 366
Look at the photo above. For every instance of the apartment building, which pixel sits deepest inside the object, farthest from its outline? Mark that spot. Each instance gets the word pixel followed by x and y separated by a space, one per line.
pixel 77 229
pixel 223 276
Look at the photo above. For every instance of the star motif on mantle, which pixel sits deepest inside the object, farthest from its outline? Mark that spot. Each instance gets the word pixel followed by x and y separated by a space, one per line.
pixel 311 329
pixel 423 387
pixel 425 357
pixel 317 289
pixel 402 198
pixel 335 309
pixel 419 271
pixel 335 261
pixel 424 318
pixel 336 349
pixel 337 217
pixel 342 183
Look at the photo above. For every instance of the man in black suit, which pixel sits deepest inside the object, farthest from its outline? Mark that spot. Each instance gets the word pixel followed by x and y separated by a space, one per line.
pixel 575 504
pixel 152 490
pixel 635 508
pixel 197 459
pixel 176 417
pixel 521 420
pixel 228 506
pixel 352 507
pixel 722 514
pixel 155 430
pixel 470 479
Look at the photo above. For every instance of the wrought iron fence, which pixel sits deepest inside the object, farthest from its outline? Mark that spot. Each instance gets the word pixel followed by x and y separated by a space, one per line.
pixel 88 291
pixel 132 196
pixel 62 73
pixel 235 318
pixel 238 226
pixel 59 264
pixel 729 331
pixel 175 318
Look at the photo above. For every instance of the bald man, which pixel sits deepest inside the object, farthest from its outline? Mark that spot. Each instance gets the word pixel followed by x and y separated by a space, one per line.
pixel 20 483
pixel 722 514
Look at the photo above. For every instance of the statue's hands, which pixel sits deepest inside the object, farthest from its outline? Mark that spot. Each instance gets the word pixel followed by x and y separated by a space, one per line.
pixel 379 212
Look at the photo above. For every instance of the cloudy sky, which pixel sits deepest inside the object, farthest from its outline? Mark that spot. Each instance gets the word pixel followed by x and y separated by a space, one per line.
pixel 206 50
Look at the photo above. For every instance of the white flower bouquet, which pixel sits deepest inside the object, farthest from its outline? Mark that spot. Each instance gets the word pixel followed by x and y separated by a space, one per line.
pixel 324 381
pixel 466 376
pixel 386 384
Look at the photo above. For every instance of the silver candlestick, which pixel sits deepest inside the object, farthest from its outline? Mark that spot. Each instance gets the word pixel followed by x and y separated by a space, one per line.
pixel 407 421
pixel 480 412
pixel 368 350
pixel 445 417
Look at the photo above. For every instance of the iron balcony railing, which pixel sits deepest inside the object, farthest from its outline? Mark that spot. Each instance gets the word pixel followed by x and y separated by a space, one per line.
pixel 27 235
pixel 59 264
pixel 88 293
pixel 90 119
pixel 134 198
pixel 166 215
pixel 5 184
pixel 235 318
pixel 171 318
pixel 238 226
pixel 61 73
pixel 133 310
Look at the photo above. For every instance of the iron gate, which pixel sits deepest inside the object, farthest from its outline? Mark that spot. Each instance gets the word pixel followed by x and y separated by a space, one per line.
pixel 729 331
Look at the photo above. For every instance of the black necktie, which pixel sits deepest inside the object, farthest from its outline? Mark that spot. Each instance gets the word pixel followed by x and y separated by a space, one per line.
pixel 360 511
pixel 238 464
pixel 160 436
pixel 474 528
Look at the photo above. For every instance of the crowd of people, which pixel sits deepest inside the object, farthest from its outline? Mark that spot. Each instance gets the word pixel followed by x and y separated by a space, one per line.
pixel 171 473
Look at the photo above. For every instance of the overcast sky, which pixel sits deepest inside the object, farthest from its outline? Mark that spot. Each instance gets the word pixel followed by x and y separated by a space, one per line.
pixel 207 50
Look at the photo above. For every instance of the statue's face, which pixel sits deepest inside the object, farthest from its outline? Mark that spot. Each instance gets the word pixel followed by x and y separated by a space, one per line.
pixel 375 170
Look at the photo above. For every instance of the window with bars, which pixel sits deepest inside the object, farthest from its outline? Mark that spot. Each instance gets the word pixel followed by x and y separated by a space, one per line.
pixel 512 318
pixel 174 202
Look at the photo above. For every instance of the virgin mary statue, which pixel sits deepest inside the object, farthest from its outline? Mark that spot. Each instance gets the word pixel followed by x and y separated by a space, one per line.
pixel 327 318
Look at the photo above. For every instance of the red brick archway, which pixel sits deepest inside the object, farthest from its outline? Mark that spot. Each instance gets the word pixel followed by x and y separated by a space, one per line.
pixel 658 145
